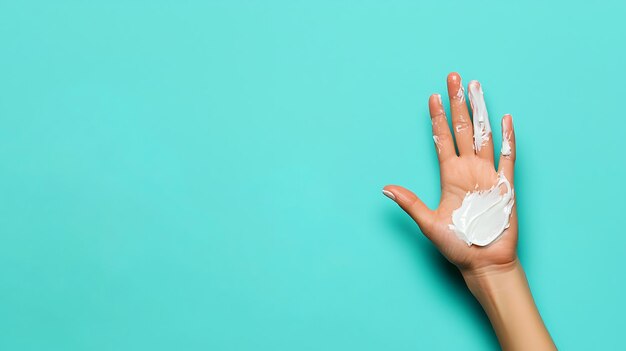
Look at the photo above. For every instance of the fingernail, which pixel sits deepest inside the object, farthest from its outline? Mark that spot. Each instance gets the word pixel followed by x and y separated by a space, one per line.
pixel 389 194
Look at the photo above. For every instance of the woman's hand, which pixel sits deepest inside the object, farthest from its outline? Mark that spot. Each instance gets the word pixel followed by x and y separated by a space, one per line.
pixel 472 169
pixel 493 273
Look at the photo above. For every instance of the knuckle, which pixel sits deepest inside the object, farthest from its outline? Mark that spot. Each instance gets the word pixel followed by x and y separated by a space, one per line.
pixel 510 157
pixel 438 116
pixel 461 126
pixel 443 137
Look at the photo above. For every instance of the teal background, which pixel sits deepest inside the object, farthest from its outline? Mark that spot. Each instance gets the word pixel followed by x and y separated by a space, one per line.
pixel 206 175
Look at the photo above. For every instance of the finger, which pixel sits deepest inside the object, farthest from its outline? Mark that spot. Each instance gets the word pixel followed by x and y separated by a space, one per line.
pixel 483 145
pixel 441 131
pixel 461 122
pixel 412 205
pixel 507 153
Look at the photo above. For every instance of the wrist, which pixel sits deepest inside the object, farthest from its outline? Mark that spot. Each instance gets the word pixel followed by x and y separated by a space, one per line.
pixel 485 281
pixel 504 293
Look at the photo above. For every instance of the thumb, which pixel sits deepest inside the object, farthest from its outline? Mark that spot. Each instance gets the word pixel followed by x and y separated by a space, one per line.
pixel 411 204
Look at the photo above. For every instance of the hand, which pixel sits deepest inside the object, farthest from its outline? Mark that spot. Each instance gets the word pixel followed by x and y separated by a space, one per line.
pixel 492 273
pixel 472 169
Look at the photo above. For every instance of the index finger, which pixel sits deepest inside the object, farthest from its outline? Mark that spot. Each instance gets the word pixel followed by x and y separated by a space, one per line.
pixel 461 122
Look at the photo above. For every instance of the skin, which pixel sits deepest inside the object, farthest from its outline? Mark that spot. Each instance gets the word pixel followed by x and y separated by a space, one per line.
pixel 493 273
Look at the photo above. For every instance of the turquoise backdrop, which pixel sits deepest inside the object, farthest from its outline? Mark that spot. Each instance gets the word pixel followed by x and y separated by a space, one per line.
pixel 206 175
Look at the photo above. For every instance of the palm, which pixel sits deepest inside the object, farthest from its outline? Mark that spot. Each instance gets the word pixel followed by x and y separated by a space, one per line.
pixel 460 174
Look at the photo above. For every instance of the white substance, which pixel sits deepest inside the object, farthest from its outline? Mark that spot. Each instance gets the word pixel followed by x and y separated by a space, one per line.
pixel 506 145
pixel 460 94
pixel 459 128
pixel 482 128
pixel 436 139
pixel 484 215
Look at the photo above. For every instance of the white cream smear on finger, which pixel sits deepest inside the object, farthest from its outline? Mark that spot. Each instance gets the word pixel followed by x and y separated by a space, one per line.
pixel 482 128
pixel 485 214
pixel 437 144
pixel 506 145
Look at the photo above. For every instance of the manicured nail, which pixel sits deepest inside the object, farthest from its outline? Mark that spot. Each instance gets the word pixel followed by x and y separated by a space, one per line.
pixel 389 194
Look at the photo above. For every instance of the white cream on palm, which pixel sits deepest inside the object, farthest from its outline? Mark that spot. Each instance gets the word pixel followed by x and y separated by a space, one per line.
pixel 484 214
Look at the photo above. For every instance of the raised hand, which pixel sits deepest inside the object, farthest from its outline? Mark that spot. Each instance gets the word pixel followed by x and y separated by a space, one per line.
pixel 470 170
pixel 475 224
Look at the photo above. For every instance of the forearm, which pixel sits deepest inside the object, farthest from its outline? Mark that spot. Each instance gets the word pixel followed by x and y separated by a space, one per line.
pixel 506 298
